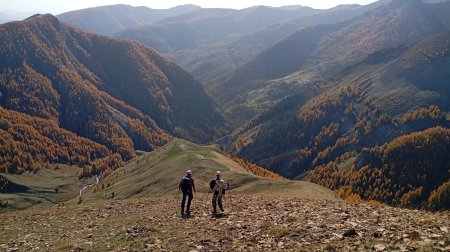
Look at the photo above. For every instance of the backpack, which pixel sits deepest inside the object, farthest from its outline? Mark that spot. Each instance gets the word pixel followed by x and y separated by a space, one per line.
pixel 186 184
pixel 216 187
pixel 212 184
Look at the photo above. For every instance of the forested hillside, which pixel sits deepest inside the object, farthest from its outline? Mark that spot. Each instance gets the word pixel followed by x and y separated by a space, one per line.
pixel 368 104
pixel 320 52
pixel 393 92
pixel 117 93
pixel 410 171
pixel 29 143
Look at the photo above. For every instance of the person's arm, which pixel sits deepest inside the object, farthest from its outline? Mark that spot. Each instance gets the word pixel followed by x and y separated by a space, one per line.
pixel 179 186
pixel 193 184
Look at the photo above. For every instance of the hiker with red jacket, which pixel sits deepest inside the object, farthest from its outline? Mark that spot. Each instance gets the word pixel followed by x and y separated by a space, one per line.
pixel 187 187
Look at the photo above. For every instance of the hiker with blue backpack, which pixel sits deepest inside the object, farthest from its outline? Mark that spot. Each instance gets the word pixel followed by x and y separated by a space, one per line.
pixel 187 187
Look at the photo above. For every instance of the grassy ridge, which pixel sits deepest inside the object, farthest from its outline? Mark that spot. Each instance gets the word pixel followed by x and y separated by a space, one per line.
pixel 152 174
pixel 159 172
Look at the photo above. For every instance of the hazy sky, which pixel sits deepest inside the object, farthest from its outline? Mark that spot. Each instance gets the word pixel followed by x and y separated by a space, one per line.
pixel 59 6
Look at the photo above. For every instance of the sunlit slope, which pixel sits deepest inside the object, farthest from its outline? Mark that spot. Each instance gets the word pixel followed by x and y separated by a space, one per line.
pixel 158 173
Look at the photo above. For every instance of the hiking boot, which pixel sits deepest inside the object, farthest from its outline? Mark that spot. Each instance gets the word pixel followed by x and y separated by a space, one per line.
pixel 222 210
pixel 182 214
pixel 188 214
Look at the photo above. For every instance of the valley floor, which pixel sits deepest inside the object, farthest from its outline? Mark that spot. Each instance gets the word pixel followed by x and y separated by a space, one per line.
pixel 253 223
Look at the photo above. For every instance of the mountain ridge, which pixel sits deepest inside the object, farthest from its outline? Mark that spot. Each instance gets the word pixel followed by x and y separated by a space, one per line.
pixel 393 92
pixel 294 62
pixel 150 174
pixel 119 17
pixel 208 54
pixel 81 81
pixel 163 167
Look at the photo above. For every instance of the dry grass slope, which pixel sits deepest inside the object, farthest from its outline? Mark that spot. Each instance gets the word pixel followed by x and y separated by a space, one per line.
pixel 159 172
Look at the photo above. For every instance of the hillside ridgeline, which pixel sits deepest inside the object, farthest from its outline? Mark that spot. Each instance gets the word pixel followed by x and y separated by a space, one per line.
pixel 367 105
pixel 158 173
pixel 112 19
pixel 117 93
pixel 319 52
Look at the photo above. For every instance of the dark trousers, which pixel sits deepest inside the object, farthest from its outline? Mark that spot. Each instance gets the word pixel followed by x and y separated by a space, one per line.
pixel 188 207
pixel 217 199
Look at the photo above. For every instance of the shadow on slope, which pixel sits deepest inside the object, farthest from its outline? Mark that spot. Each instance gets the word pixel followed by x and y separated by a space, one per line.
pixel 43 188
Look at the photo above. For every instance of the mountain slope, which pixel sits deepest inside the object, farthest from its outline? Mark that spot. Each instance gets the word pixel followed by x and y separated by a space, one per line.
pixel 250 45
pixel 367 105
pixel 319 52
pixel 112 19
pixel 158 173
pixel 196 40
pixel 29 142
pixel 110 91
pixel 211 43
pixel 406 77
pixel 148 175
pixel 385 91
pixel 409 171
pixel 252 223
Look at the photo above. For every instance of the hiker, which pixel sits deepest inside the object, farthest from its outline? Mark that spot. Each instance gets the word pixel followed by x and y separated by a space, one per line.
pixel 187 187
pixel 218 187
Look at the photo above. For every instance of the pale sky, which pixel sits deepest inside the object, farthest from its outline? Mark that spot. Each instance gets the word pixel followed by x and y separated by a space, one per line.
pixel 59 6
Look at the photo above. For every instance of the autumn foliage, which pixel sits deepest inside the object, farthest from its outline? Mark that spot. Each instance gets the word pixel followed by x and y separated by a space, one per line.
pixel 78 98
pixel 410 171
pixel 326 129
pixel 253 168
pixel 28 143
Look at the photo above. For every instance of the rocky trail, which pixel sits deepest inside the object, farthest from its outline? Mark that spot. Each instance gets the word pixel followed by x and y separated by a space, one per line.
pixel 252 223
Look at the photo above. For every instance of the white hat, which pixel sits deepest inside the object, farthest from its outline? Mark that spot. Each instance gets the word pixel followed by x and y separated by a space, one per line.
pixel 189 172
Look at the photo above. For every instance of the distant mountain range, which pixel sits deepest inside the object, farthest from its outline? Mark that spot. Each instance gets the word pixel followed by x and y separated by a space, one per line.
pixel 118 93
pixel 209 43
pixel 115 18
pixel 319 52
pixel 198 40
